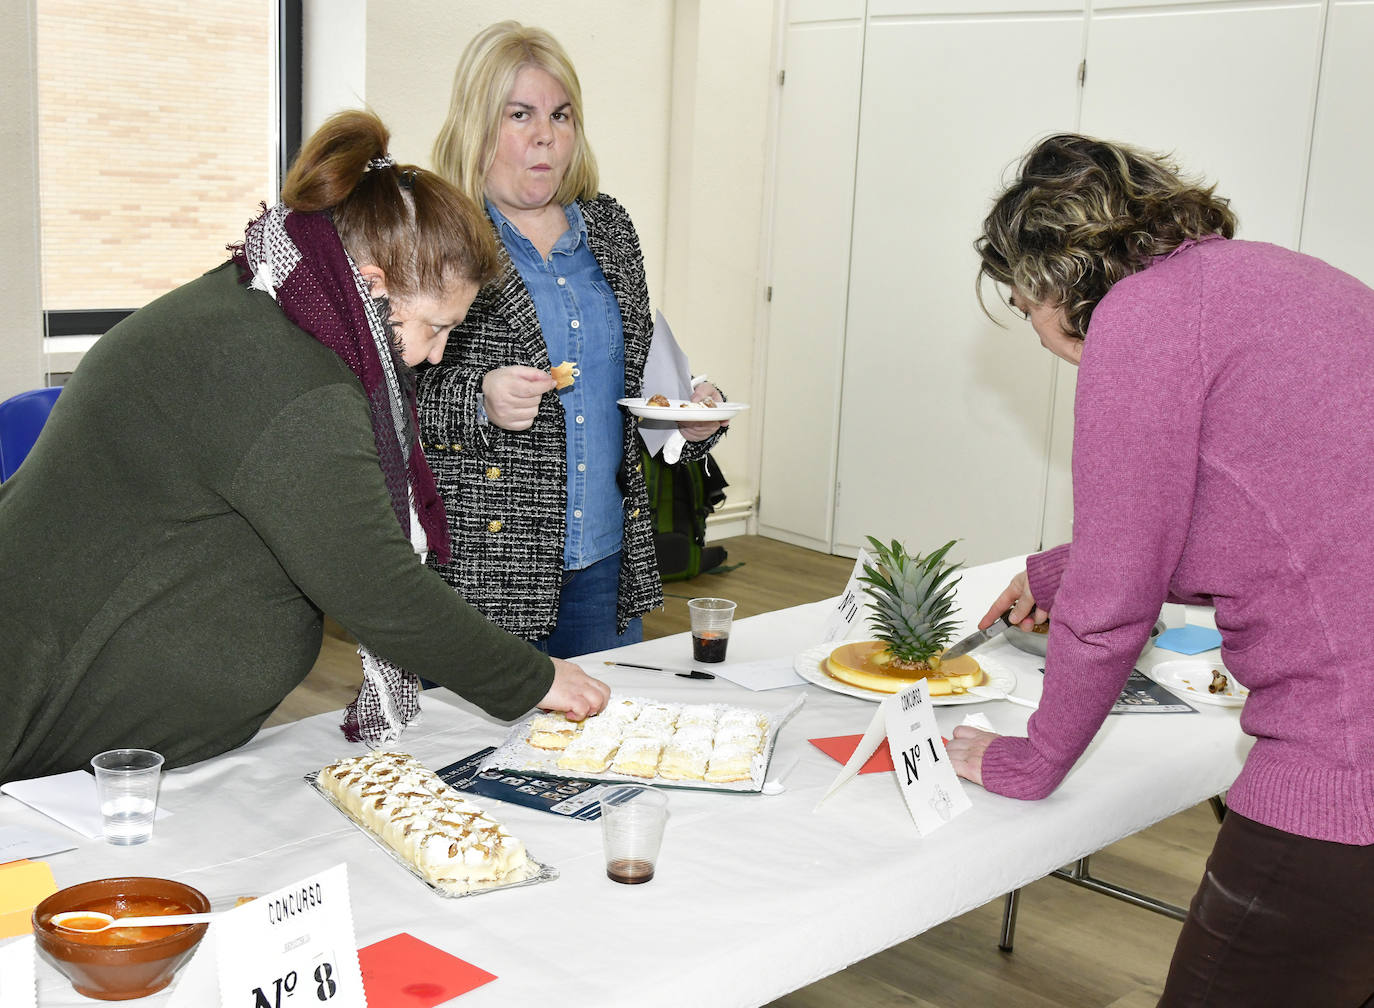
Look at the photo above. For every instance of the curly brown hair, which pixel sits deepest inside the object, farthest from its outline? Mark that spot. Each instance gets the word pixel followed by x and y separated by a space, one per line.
pixel 1084 213
pixel 420 230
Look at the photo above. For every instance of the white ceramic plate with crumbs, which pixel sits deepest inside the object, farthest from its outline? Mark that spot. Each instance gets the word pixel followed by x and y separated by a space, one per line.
pixel 1191 679
pixel 682 410
pixel 809 665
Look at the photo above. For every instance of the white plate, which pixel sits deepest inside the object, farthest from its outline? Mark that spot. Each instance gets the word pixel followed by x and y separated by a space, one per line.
pixel 1189 678
pixel 684 414
pixel 808 666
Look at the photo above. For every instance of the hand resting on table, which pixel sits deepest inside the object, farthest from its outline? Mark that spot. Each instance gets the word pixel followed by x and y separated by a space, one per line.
pixel 966 747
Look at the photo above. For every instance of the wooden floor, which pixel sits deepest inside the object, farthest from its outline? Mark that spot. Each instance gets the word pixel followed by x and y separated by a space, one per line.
pixel 1074 948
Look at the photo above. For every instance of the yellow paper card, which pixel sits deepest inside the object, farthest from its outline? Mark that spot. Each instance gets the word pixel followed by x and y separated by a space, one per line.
pixel 23 885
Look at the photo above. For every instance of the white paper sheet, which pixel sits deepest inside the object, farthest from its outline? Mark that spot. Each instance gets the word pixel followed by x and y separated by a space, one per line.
pixel 765 674
pixel 69 798
pixel 666 373
pixel 29 842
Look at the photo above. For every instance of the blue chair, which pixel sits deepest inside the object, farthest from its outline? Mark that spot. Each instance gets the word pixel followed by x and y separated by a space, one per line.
pixel 21 419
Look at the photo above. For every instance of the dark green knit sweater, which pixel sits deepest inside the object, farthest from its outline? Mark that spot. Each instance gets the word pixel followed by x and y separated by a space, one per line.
pixel 206 486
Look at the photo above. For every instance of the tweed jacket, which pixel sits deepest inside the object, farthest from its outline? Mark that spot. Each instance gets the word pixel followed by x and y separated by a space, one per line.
pixel 506 491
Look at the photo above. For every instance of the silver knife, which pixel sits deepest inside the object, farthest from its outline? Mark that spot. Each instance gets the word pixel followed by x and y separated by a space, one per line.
pixel 976 638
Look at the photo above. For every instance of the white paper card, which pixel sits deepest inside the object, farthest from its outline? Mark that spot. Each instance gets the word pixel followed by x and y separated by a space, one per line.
pixel 849 606
pixel 290 947
pixel 932 789
pixel 18 976
pixel 873 737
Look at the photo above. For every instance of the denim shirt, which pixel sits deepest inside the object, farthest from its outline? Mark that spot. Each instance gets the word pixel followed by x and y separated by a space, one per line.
pixel 580 321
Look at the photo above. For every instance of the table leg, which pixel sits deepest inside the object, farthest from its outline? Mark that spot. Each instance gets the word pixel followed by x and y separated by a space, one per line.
pixel 1009 907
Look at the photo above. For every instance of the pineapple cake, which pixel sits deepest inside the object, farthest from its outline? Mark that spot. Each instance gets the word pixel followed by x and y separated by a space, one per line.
pixel 913 605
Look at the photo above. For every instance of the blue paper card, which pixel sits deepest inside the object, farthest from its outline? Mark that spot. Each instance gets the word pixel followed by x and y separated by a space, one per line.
pixel 1189 639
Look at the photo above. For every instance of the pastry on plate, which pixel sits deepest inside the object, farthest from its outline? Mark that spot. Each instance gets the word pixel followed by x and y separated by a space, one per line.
pixel 449 840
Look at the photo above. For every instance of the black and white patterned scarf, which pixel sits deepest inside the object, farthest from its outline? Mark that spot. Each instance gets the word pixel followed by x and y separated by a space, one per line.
pixel 299 260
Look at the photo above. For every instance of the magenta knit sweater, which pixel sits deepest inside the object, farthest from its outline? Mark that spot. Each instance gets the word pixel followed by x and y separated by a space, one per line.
pixel 1223 454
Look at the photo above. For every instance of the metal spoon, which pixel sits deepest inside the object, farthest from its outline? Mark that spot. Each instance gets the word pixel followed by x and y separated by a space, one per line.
pixel 106 921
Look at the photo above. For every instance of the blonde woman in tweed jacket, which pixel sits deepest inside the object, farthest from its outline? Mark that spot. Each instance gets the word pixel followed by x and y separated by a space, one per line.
pixel 546 503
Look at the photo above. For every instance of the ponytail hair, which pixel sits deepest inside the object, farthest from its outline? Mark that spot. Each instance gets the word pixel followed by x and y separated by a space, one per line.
pixel 418 229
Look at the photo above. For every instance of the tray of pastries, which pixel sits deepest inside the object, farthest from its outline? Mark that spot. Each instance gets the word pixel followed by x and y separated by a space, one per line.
pixel 715 747
pixel 435 833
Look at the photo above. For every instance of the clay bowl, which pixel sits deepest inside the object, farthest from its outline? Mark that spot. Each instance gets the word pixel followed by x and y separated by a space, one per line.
pixel 1036 643
pixel 119 972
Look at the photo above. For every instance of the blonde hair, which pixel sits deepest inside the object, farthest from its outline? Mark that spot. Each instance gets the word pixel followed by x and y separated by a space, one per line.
pixel 417 228
pixel 466 145
pixel 1084 213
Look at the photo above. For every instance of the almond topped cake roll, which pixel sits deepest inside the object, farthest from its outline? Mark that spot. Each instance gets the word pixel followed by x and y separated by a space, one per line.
pixel 451 841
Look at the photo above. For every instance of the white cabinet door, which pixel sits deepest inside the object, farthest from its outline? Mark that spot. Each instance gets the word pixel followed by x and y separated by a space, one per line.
pixel 812 213
pixel 1340 201
pixel 1227 88
pixel 945 422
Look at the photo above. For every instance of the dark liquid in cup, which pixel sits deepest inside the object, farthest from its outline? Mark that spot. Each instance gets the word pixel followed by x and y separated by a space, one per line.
pixel 630 872
pixel 709 647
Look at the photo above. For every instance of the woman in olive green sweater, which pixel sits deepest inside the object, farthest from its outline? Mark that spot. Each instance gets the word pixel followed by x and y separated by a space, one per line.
pixel 236 459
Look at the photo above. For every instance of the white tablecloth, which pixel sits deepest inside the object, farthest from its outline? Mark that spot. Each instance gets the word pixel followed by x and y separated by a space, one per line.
pixel 755 895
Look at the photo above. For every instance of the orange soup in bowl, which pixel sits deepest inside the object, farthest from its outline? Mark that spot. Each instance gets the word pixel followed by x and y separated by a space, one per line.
pixel 82 930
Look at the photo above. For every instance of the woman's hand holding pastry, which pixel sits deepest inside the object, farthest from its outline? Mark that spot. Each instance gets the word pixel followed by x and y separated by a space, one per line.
pixel 703 429
pixel 1018 598
pixel 574 692
pixel 511 395
pixel 966 747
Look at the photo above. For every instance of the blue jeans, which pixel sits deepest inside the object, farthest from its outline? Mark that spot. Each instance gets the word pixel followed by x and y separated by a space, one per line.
pixel 586 613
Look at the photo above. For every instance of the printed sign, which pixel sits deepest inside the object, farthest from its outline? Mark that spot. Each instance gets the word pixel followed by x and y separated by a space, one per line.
pixel 17 974
pixel 287 949
pixel 849 606
pixel 932 789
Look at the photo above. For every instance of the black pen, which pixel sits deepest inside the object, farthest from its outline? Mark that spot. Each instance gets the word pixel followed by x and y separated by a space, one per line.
pixel 685 673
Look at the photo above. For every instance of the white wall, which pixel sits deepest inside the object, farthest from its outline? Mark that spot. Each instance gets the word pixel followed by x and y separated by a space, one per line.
pixel 333 59
pixel 21 322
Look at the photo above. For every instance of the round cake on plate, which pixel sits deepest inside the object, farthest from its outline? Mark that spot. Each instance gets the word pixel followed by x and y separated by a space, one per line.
pixel 868 664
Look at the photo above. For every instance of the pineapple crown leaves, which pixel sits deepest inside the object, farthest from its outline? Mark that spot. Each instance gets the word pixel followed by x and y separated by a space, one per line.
pixel 913 599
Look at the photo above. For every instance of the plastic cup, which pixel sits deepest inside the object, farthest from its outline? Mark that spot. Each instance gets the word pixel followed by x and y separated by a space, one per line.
pixel 632 819
pixel 126 781
pixel 711 618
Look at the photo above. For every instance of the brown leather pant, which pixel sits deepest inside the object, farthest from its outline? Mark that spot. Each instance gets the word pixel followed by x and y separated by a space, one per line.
pixel 1279 920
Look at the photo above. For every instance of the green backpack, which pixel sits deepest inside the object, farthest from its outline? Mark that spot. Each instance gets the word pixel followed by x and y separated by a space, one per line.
pixel 681 495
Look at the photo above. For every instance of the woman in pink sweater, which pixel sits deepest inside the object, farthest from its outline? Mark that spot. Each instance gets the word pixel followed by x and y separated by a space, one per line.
pixel 1223 454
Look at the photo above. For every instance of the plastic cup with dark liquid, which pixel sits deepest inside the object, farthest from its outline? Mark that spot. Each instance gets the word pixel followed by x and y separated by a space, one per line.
pixel 632 819
pixel 711 618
